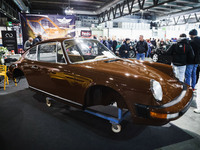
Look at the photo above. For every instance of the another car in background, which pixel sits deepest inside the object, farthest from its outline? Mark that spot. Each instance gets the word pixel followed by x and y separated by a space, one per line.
pixel 159 55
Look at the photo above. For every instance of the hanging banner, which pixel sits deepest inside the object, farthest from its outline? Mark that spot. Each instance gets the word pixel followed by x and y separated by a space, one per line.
pixel 9 40
pixel 49 26
pixel 86 33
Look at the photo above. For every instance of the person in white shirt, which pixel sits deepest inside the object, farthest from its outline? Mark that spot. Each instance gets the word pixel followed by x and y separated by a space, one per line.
pixel 28 43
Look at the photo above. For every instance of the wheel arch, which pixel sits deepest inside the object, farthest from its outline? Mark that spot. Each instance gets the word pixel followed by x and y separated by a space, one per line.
pixel 103 95
pixel 16 73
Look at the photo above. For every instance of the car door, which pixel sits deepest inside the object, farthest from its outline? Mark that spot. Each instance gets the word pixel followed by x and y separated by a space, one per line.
pixel 30 68
pixel 58 79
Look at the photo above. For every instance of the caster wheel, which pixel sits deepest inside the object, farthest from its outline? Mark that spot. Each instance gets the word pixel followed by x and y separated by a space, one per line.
pixel 155 58
pixel 48 102
pixel 116 128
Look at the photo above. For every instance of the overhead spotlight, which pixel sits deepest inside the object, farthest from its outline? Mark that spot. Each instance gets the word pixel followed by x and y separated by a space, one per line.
pixel 69 11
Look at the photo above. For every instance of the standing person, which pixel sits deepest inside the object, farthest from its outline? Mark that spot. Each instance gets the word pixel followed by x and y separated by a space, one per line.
pixel 125 48
pixel 153 42
pixel 28 43
pixel 114 44
pixel 158 43
pixel 149 48
pixel 191 68
pixel 141 48
pixel 101 39
pixel 110 43
pixel 37 39
pixel 162 43
pixel 105 42
pixel 182 54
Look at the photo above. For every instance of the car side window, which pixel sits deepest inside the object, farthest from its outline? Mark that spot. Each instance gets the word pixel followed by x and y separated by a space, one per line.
pixel 60 56
pixel 74 54
pixel 32 53
pixel 47 52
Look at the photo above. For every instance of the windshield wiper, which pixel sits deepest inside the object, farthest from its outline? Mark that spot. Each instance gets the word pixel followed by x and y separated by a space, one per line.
pixel 112 60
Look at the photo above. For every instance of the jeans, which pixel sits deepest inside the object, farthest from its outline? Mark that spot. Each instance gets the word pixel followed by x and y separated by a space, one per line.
pixel 140 55
pixel 190 73
pixel 148 52
pixel 179 72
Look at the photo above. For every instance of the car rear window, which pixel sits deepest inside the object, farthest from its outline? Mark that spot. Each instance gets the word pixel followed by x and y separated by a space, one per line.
pixel 47 52
pixel 32 53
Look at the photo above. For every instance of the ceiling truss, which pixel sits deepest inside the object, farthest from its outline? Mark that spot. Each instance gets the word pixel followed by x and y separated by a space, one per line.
pixel 180 20
pixel 129 7
pixel 9 11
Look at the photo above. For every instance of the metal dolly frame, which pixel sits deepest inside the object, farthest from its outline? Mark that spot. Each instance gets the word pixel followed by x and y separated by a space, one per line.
pixel 115 121
pixel 116 127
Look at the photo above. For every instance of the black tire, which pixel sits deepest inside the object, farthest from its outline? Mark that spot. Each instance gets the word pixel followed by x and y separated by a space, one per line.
pixel 155 57
pixel 132 54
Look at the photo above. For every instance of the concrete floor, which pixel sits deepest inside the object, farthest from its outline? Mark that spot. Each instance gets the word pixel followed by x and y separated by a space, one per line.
pixel 189 123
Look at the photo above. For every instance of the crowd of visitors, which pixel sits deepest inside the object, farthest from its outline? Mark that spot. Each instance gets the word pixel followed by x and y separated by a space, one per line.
pixel 141 47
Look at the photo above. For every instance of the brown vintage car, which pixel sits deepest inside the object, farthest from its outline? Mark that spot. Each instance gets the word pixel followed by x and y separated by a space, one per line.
pixel 84 73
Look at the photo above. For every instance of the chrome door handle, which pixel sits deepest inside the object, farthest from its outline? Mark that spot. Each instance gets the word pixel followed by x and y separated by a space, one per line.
pixel 34 67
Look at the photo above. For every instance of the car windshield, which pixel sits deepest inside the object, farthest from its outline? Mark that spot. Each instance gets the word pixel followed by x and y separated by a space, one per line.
pixel 84 50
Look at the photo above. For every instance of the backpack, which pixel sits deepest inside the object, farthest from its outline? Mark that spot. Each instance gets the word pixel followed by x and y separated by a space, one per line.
pixel 177 47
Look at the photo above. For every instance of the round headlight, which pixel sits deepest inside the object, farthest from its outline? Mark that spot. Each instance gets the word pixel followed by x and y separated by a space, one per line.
pixel 156 90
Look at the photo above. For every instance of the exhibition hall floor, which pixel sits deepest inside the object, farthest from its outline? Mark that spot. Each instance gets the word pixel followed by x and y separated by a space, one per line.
pixel 26 123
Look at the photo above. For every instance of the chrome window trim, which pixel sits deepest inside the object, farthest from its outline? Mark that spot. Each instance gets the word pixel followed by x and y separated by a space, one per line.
pixel 57 54
pixel 56 96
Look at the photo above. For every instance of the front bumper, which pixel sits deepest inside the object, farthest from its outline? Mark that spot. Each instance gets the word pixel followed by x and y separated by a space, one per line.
pixel 164 112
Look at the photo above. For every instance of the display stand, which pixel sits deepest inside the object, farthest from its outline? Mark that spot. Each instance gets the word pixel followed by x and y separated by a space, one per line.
pixel 115 121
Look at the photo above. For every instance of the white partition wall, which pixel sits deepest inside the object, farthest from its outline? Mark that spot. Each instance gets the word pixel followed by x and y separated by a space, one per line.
pixel 130 33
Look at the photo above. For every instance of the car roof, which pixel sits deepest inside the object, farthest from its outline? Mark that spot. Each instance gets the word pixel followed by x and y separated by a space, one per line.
pixel 58 40
pixel 53 40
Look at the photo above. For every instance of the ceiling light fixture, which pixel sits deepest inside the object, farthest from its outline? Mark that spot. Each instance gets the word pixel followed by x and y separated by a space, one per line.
pixel 69 10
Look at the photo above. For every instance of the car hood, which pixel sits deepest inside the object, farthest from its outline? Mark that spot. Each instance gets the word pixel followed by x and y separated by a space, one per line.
pixel 128 68
pixel 141 71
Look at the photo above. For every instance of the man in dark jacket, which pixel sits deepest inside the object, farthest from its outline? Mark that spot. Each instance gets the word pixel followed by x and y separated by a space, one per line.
pixel 37 39
pixel 192 67
pixel 105 42
pixel 110 43
pixel 125 48
pixel 141 48
pixel 182 54
pixel 153 42
pixel 114 44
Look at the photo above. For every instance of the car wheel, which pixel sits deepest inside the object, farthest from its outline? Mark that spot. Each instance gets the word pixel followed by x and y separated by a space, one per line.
pixel 116 128
pixel 155 57
pixel 48 102
pixel 131 54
